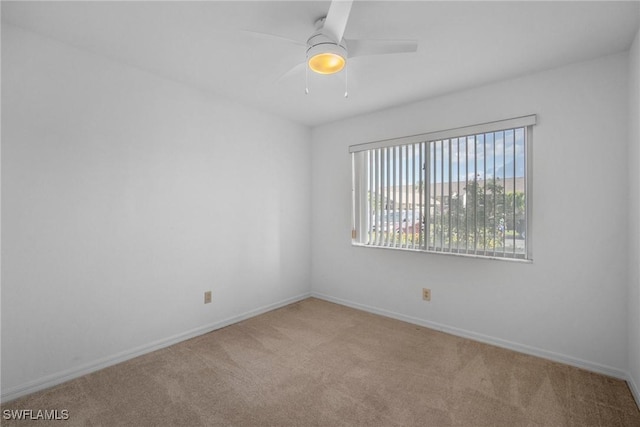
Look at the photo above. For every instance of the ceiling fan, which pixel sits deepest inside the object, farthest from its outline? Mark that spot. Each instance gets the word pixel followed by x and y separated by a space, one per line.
pixel 327 50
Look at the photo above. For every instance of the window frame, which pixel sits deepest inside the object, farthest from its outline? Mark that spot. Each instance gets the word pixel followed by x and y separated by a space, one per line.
pixel 360 169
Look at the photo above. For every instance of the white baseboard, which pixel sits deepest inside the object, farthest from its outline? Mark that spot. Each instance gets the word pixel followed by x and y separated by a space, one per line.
pixel 521 348
pixel 64 376
pixel 634 389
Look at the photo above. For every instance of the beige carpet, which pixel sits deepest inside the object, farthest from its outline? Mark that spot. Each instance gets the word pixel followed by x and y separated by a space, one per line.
pixel 315 363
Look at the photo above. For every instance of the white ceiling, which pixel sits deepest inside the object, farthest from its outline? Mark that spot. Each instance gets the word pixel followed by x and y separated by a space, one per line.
pixel 461 45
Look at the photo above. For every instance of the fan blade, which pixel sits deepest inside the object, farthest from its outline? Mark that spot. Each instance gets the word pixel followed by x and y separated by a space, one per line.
pixel 295 70
pixel 267 36
pixel 380 47
pixel 336 21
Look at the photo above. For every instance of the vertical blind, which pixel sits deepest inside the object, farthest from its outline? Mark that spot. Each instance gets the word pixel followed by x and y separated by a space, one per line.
pixel 461 191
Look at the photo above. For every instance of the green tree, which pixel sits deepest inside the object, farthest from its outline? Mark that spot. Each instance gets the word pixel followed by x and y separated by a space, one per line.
pixel 472 220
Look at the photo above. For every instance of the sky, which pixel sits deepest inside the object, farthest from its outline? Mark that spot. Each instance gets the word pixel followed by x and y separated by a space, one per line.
pixel 488 155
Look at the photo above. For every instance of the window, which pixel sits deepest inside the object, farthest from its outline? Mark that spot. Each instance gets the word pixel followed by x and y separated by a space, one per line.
pixel 462 191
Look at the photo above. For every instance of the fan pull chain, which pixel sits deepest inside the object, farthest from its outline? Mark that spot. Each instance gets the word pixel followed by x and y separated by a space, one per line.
pixel 306 79
pixel 346 81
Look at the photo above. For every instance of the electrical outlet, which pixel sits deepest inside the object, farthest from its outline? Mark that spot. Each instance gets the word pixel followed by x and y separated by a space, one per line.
pixel 207 297
pixel 426 294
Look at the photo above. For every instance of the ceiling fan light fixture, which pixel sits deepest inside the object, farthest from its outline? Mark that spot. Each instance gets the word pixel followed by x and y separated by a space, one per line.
pixel 326 57
pixel 326 63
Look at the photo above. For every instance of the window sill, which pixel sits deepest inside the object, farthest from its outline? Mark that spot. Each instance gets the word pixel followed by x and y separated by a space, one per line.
pixel 463 255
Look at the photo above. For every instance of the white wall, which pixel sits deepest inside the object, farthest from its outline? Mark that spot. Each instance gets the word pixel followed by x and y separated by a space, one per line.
pixel 634 216
pixel 126 196
pixel 570 303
